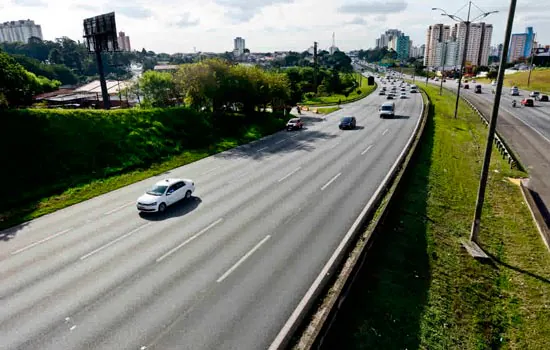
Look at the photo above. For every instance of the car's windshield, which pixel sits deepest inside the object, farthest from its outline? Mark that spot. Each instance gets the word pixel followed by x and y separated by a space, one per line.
pixel 387 108
pixel 294 120
pixel 157 190
pixel 346 119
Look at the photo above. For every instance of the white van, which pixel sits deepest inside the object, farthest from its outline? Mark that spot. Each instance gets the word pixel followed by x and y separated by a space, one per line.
pixel 387 110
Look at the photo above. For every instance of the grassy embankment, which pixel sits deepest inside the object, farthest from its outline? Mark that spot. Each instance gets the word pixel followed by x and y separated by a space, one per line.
pixel 364 89
pixel 327 110
pixel 420 289
pixel 540 80
pixel 66 157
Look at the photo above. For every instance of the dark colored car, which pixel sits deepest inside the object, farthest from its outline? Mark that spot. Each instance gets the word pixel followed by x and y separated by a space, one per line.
pixel 528 102
pixel 478 89
pixel 543 98
pixel 466 86
pixel 347 123
pixel 294 124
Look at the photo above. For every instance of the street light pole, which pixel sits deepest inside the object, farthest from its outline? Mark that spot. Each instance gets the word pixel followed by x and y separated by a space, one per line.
pixel 492 127
pixel 532 57
pixel 467 22
pixel 443 69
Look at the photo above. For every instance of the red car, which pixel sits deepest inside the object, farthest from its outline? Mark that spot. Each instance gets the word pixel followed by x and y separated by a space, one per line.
pixel 294 124
pixel 527 102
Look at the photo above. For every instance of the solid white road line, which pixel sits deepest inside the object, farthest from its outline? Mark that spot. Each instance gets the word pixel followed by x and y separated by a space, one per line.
pixel 246 256
pixel 289 174
pixel 211 170
pixel 83 257
pixel 366 150
pixel 280 141
pixel 261 149
pixel 192 238
pixel 385 131
pixel 331 181
pixel 118 208
pixel 40 241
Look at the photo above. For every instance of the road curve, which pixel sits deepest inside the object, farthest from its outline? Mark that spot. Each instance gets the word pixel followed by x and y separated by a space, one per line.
pixel 223 270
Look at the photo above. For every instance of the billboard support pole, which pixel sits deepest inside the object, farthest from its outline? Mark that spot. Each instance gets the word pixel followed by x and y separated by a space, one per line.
pixel 102 82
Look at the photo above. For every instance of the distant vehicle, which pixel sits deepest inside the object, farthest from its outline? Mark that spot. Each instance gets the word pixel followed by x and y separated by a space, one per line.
pixel 347 123
pixel 382 92
pixel 403 89
pixel 403 95
pixel 543 98
pixel 473 81
pixel 466 86
pixel 528 102
pixel 514 91
pixel 478 89
pixel 390 97
pixel 534 94
pixel 165 193
pixel 413 91
pixel 387 110
pixel 494 83
pixel 294 124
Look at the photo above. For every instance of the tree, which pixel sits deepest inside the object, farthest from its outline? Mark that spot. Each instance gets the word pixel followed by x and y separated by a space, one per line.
pixel 158 88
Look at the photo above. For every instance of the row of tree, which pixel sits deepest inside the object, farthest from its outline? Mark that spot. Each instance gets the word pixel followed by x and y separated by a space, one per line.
pixel 215 85
pixel 18 86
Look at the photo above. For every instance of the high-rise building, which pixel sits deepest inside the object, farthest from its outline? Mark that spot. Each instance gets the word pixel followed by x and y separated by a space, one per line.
pixel 384 40
pixel 500 47
pixel 521 45
pixel 402 46
pixel 239 46
pixel 435 34
pixel 124 42
pixel 19 31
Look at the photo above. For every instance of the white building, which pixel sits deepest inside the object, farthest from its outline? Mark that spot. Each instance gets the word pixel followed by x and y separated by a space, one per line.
pixel 435 34
pixel 239 46
pixel 124 42
pixel 479 43
pixel 385 38
pixel 19 31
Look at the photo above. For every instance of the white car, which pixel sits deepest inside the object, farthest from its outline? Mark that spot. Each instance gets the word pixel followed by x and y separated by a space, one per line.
pixel 494 83
pixel 534 94
pixel 165 193
pixel 403 95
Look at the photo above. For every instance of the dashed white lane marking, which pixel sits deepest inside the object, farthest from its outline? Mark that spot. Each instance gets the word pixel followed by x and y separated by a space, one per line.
pixel 241 260
pixel 330 181
pixel 118 208
pixel 366 150
pixel 385 131
pixel 190 239
pixel 107 245
pixel 336 144
pixel 289 174
pixel 263 148
pixel 211 170
pixel 41 241
pixel 280 141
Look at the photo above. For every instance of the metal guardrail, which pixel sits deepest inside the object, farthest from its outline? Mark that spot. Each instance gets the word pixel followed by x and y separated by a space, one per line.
pixel 501 146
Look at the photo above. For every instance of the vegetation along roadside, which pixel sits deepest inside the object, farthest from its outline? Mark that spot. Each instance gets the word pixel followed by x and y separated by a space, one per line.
pixel 419 288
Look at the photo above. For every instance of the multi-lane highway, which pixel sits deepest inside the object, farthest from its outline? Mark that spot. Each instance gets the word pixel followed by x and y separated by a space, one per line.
pixel 223 270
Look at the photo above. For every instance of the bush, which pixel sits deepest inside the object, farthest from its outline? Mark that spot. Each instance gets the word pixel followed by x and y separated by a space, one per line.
pixel 65 147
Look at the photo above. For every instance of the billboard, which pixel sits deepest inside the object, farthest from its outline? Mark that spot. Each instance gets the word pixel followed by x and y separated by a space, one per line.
pixel 100 33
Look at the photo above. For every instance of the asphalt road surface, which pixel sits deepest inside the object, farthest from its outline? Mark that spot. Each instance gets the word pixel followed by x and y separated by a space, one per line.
pixel 223 270
pixel 526 130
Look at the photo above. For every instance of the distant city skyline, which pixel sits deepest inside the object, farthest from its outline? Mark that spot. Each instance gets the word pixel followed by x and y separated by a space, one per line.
pixel 267 25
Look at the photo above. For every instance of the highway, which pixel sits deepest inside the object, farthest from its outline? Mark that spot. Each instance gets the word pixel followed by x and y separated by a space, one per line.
pixel 223 270
pixel 526 130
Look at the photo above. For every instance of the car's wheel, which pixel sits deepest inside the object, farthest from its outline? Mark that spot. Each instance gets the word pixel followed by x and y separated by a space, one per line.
pixel 162 207
pixel 187 194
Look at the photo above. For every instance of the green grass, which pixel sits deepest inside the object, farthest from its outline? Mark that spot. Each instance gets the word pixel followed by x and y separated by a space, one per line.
pixel 420 289
pixel 335 98
pixel 97 187
pixel 540 80
pixel 327 110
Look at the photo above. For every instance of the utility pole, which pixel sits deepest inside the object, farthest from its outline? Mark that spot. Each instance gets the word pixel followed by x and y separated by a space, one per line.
pixel 532 58
pixel 315 67
pixel 443 70
pixel 492 127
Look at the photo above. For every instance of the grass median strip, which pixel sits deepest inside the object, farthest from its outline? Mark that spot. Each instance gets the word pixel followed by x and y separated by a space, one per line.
pixel 419 288
pixel 364 90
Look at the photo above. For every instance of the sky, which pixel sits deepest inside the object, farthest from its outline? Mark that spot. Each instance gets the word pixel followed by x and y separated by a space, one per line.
pixel 267 25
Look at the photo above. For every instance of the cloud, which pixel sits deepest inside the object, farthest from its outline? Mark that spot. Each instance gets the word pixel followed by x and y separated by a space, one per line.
pixel 374 7
pixel 133 11
pixel 85 7
pixel 240 11
pixel 381 18
pixel 357 21
pixel 30 3
pixel 185 21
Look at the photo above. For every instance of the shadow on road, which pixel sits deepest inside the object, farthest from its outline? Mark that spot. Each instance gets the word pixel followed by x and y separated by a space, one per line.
pixel 384 307
pixel 11 232
pixel 303 139
pixel 181 208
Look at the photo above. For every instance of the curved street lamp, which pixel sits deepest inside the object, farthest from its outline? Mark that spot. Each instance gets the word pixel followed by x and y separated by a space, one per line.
pixel 467 22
